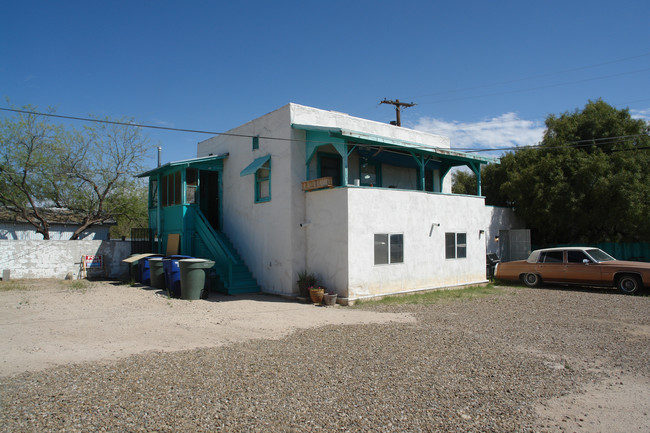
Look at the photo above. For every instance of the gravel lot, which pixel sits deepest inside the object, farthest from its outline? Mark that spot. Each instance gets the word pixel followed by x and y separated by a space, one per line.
pixel 542 360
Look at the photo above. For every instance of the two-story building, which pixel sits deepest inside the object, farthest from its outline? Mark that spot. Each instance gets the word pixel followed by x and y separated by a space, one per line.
pixel 364 205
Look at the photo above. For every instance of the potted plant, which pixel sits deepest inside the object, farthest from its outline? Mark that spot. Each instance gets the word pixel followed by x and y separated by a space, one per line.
pixel 329 298
pixel 316 294
pixel 305 281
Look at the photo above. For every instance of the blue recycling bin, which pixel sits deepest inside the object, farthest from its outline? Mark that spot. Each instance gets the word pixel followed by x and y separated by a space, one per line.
pixel 145 269
pixel 173 274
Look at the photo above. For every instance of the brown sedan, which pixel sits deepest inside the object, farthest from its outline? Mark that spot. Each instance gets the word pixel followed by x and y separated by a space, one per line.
pixel 576 265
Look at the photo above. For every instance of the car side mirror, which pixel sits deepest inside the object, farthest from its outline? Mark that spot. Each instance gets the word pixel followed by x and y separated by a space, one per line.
pixel 586 261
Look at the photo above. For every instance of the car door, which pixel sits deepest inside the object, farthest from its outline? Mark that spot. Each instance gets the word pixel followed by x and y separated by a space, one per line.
pixel 580 272
pixel 551 266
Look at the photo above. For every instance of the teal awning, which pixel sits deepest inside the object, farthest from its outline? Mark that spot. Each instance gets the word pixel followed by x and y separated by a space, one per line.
pixel 255 165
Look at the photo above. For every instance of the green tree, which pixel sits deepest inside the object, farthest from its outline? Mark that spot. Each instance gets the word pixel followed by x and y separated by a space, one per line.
pixel 588 180
pixel 463 182
pixel 90 171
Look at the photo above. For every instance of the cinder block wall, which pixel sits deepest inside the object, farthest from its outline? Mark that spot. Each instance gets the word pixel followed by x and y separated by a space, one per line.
pixel 54 259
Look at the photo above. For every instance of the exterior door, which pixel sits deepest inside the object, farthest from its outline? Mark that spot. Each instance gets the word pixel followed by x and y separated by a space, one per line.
pixel 209 197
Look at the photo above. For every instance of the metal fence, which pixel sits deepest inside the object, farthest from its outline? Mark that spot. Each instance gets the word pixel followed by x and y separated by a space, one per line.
pixel 141 240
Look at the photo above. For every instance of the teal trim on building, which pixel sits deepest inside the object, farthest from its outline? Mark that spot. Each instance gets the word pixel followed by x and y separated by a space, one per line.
pixel 187 203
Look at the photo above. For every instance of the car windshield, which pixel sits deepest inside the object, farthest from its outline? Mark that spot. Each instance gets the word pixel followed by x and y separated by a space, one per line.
pixel 600 255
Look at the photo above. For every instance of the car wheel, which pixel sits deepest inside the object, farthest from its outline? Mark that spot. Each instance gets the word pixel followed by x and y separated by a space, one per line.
pixel 531 280
pixel 629 284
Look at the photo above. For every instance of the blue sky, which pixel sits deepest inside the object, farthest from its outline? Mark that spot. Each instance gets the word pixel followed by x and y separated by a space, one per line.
pixel 486 74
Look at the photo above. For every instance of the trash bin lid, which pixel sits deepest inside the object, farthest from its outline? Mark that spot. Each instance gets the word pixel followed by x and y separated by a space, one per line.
pixel 196 263
pixel 156 259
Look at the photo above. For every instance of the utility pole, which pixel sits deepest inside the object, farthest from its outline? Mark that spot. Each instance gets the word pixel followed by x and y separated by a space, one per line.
pixel 398 108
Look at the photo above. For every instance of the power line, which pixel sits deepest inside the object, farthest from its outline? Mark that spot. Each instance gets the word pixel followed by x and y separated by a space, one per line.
pixel 139 125
pixel 606 140
pixel 536 88
pixel 533 77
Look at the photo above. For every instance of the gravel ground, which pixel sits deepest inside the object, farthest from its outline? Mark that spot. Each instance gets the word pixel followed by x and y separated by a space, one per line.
pixel 485 365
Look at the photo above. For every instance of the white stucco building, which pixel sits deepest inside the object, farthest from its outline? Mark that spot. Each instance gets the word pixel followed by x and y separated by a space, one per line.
pixel 386 223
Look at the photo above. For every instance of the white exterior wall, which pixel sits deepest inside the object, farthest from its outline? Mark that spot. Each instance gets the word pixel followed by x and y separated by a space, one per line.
pixel 416 215
pixel 500 218
pixel 266 235
pixel 340 246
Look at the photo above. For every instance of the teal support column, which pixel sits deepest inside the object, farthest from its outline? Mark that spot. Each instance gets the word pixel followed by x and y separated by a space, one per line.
pixel 422 163
pixel 159 213
pixel 341 148
pixel 476 168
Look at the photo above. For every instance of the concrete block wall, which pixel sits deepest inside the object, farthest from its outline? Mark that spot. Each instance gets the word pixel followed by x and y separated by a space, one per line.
pixel 55 259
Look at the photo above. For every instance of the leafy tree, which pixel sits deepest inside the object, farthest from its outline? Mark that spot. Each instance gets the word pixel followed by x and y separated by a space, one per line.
pixel 90 172
pixel 463 182
pixel 588 180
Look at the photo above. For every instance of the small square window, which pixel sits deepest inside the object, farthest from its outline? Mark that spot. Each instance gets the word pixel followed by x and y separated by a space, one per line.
pixel 389 248
pixel 455 245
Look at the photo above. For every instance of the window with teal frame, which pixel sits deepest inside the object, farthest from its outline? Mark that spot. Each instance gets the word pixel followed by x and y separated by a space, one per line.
pixel 263 183
pixel 256 142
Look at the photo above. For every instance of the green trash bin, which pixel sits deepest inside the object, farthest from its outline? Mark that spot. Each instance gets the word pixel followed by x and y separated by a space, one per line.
pixel 157 273
pixel 193 277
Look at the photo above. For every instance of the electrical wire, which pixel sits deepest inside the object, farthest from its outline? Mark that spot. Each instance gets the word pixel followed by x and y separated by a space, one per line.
pixel 467 150
pixel 533 77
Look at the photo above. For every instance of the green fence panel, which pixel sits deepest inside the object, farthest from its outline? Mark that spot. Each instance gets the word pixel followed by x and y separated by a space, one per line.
pixel 635 251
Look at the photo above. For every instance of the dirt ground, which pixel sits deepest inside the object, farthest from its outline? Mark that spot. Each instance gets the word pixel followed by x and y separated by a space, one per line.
pixel 46 323
pixel 53 322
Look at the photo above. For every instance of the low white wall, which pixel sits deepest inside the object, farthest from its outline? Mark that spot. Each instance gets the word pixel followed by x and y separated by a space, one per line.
pixel 423 219
pixel 54 259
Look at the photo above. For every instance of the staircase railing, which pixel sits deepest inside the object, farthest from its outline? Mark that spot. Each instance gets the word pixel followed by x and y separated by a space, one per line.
pixel 224 259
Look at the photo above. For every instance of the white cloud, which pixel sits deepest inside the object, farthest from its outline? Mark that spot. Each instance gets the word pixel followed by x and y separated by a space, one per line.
pixel 504 131
pixel 641 114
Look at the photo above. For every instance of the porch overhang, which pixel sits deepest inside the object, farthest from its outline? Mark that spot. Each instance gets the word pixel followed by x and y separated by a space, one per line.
pixel 212 162
pixel 453 157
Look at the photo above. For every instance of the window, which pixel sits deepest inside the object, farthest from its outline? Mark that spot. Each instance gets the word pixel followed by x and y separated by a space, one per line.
pixel 256 142
pixel 165 198
pixel 170 190
pixel 330 165
pixel 153 193
pixel 551 257
pixel 177 188
pixel 389 248
pixel 370 173
pixel 455 245
pixel 263 183
pixel 428 180
pixel 191 182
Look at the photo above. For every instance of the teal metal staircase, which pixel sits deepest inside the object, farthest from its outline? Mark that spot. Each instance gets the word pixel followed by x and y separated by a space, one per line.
pixel 234 275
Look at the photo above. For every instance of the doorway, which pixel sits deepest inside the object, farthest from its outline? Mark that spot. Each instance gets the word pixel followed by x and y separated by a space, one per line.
pixel 209 197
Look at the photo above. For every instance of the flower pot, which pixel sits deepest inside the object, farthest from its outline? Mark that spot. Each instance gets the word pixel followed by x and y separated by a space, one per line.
pixel 316 295
pixel 329 299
